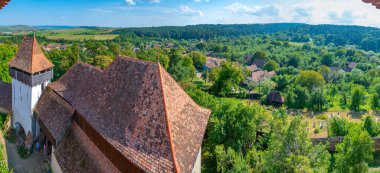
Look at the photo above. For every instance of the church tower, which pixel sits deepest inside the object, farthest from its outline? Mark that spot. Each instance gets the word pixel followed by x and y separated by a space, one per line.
pixel 31 72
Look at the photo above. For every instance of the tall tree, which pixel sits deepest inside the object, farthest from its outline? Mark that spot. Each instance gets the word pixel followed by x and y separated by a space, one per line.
pixel 354 153
pixel 291 150
pixel 228 79
pixel 310 79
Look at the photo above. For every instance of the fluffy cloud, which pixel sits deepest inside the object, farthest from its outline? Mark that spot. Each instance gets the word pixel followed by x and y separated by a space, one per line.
pixel 186 11
pixel 202 0
pixel 270 10
pixel 334 12
pixel 352 12
pixel 130 2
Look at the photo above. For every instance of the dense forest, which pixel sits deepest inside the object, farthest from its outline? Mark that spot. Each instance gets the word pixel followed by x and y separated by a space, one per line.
pixel 366 38
pixel 329 79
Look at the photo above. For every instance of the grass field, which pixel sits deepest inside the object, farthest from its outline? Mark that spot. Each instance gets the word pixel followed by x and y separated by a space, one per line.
pixel 77 34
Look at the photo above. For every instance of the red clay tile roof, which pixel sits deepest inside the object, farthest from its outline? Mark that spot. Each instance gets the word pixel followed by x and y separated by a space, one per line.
pixel 3 3
pixel 30 57
pixel 6 96
pixel 140 110
pixel 375 3
pixel 77 153
pixel 260 75
pixel 55 114
pixel 252 68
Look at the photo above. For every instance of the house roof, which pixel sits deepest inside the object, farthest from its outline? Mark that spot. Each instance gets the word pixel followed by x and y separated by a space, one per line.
pixel 3 3
pixel 252 68
pixel 275 96
pixel 139 109
pixel 259 62
pixel 6 96
pixel 260 75
pixel 352 65
pixel 375 3
pixel 30 57
pixel 214 62
pixel 77 153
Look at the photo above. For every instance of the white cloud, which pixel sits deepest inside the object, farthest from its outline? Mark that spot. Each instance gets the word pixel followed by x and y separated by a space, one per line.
pixel 270 10
pixel 130 2
pixel 202 0
pixel 154 1
pixel 347 12
pixel 134 2
pixel 186 11
pixel 335 12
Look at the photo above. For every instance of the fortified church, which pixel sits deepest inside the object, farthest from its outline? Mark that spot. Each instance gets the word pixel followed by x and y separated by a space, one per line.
pixel 130 117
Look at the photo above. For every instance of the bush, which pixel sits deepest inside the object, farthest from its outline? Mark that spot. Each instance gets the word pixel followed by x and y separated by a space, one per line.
pixel 22 151
pixel 322 117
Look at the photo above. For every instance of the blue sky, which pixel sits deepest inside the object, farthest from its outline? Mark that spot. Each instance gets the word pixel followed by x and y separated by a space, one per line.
pixel 131 13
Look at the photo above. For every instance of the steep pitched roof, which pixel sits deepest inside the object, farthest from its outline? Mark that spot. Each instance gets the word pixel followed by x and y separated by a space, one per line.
pixel 6 96
pixel 139 109
pixel 375 3
pixel 30 57
pixel 3 3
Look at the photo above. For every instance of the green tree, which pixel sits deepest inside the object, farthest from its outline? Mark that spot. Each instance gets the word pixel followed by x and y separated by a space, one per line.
pixel 199 59
pixel 266 86
pixel 294 60
pixel 102 61
pixel 338 127
pixel 354 153
pixel 184 69
pixel 229 78
pixel 229 161
pixel 297 98
pixel 318 100
pixel 357 98
pixel 291 150
pixel 371 125
pixel 7 52
pixel 271 65
pixel 310 79
pixel 375 104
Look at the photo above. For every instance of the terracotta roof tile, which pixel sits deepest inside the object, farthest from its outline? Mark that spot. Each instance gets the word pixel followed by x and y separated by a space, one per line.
pixel 55 114
pixel 3 3
pixel 132 105
pixel 77 153
pixel 6 96
pixel 30 57
pixel 375 3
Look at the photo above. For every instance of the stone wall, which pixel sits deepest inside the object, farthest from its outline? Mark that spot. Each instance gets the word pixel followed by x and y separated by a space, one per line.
pixel 336 140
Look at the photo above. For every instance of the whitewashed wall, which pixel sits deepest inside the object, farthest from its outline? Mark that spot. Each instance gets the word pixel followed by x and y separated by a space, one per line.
pixel 198 166
pixel 24 100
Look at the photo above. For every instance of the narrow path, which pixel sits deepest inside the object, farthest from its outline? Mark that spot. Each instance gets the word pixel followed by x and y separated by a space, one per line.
pixel 33 164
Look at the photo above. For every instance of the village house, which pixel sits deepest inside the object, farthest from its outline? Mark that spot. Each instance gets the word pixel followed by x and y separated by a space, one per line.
pixel 275 98
pixel 350 66
pixel 50 47
pixel 131 117
pixel 213 63
pixel 259 76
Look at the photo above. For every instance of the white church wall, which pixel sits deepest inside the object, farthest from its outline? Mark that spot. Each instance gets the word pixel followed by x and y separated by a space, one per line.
pixel 54 164
pixel 198 166
pixel 24 100
pixel 21 104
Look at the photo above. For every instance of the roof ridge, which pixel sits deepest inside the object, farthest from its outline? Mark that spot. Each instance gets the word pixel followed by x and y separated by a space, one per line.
pixel 31 57
pixel 176 167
